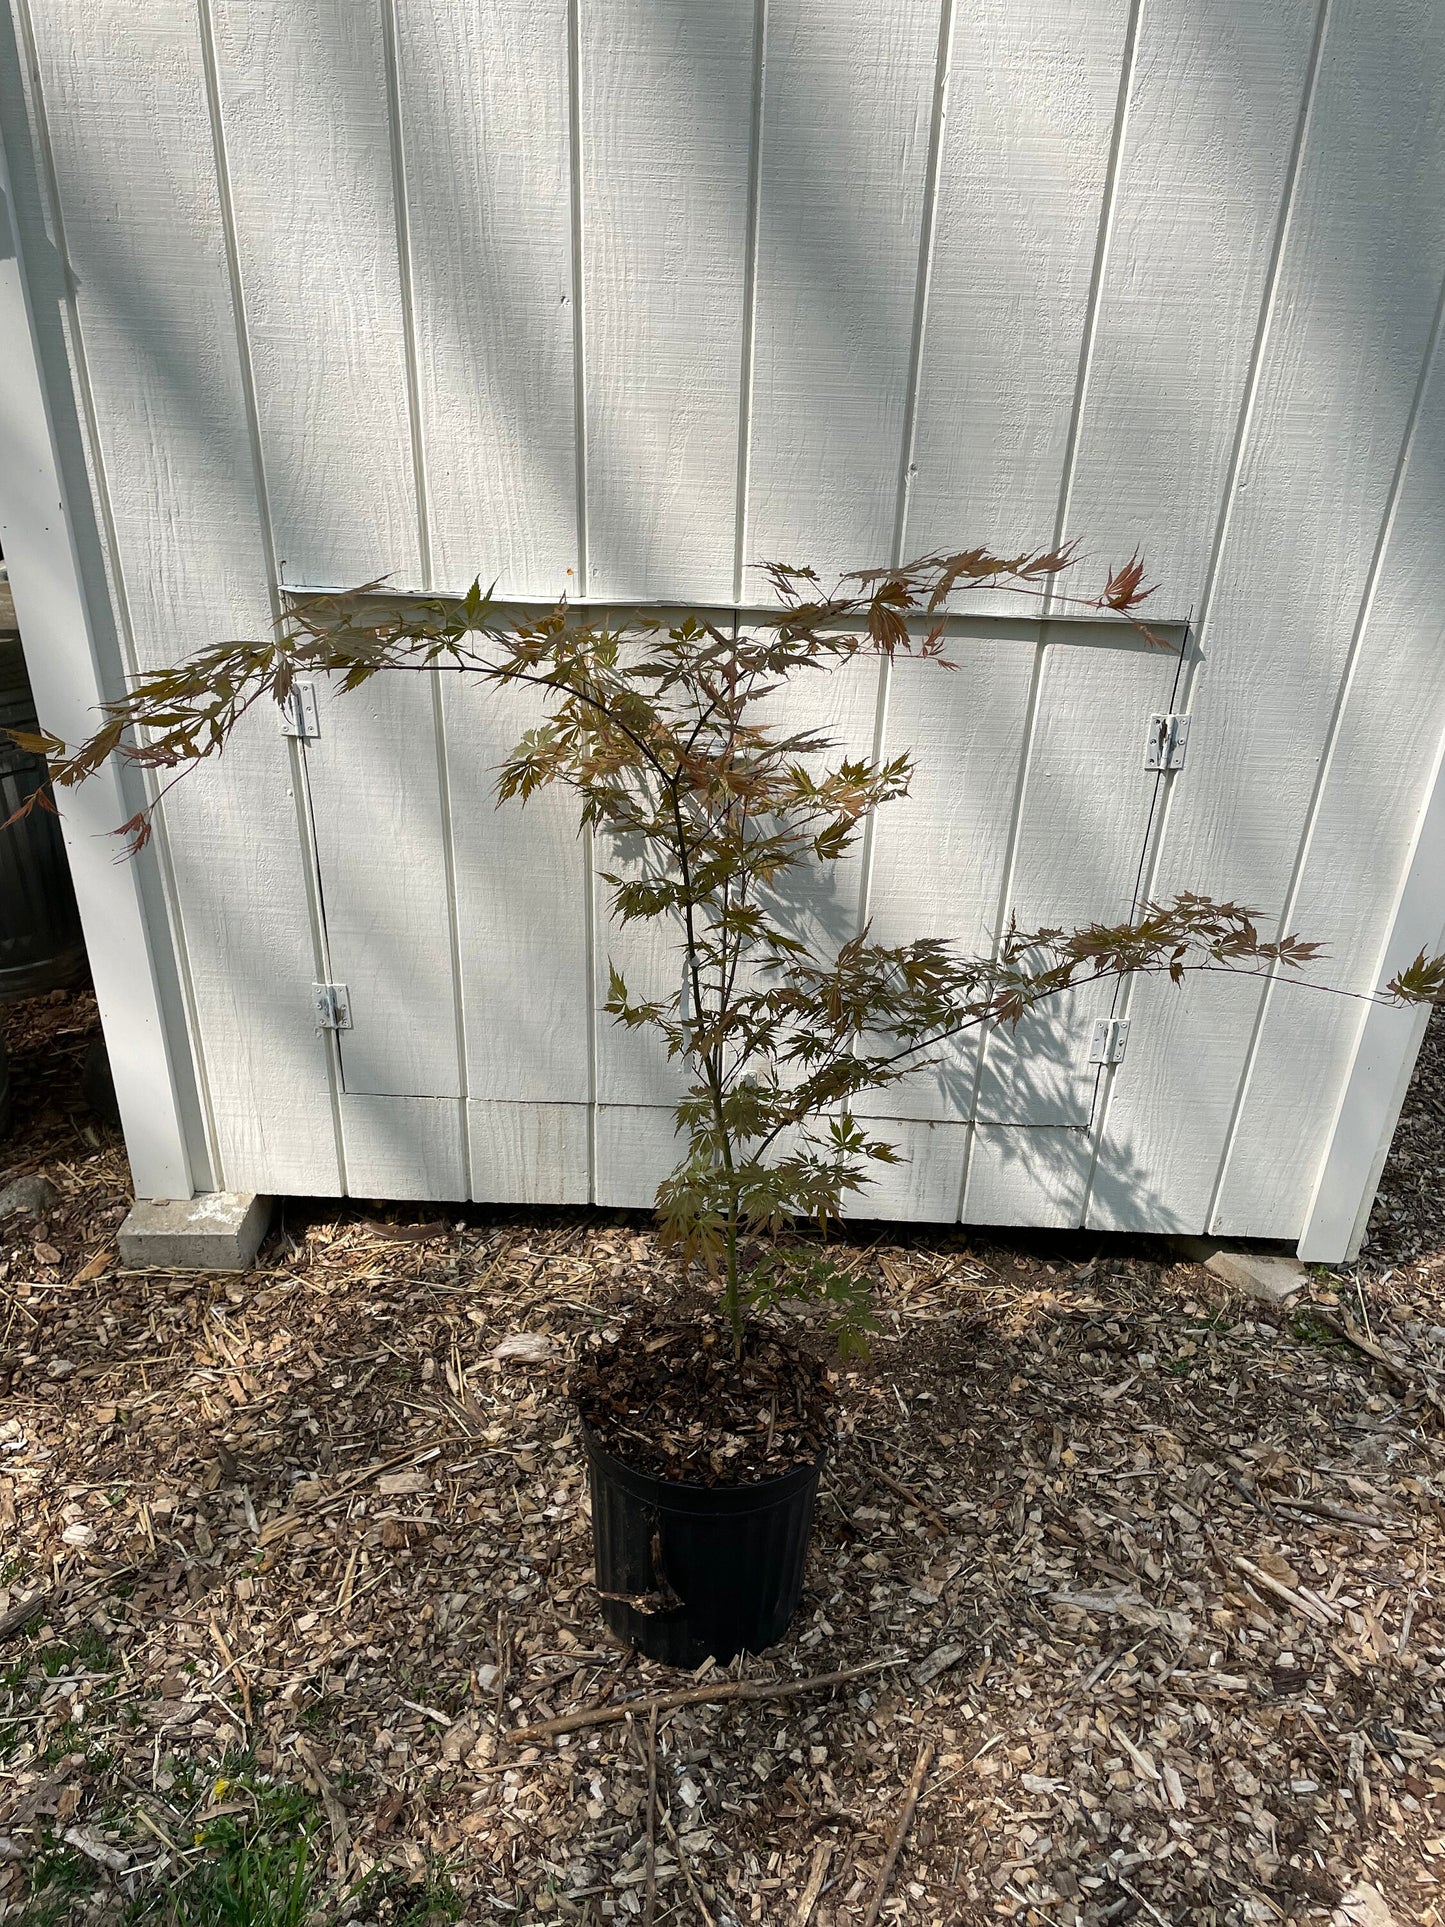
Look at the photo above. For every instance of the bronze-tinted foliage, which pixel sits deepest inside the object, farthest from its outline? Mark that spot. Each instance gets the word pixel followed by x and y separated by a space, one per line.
pixel 715 816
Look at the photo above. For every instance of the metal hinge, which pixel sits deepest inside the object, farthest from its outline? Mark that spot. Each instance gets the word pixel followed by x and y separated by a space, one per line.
pixel 1111 1034
pixel 300 716
pixel 1165 744
pixel 333 1007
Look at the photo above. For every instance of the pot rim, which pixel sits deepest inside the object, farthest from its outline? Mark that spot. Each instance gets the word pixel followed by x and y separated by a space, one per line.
pixel 776 1487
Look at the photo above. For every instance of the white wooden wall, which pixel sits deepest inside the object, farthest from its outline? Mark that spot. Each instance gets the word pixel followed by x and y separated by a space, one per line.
pixel 620 296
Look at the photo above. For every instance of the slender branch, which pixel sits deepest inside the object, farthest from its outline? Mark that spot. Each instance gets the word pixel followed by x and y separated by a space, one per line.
pixel 710 1695
pixel 900 1830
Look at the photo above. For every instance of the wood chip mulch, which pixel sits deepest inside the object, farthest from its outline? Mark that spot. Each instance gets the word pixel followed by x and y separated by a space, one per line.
pixel 670 1398
pixel 1159 1572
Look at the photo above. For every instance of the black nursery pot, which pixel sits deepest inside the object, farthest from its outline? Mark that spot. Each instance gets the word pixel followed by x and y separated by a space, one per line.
pixel 716 1570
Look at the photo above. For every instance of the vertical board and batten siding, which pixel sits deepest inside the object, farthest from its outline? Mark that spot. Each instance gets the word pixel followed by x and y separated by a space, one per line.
pixel 1023 156
pixel 666 103
pixel 621 300
pixel 308 131
pixel 848 102
pixel 1371 793
pixel 125 140
pixel 484 152
pixel 1339 363
pixel 1204 156
pixel 1214 122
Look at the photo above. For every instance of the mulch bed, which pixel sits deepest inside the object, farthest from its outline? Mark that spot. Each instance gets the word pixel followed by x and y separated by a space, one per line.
pixel 1158 1571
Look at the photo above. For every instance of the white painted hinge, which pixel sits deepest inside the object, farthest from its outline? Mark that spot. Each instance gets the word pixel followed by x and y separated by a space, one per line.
pixel 1111 1034
pixel 333 1007
pixel 300 716
pixel 1165 744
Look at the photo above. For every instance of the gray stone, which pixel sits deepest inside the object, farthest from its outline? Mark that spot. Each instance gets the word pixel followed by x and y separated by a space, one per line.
pixel 1259 1274
pixel 1272 1276
pixel 215 1231
pixel 35 1194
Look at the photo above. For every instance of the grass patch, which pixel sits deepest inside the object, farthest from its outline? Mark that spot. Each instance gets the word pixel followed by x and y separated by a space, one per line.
pixel 1308 1330
pixel 89 1653
pixel 59 1878
pixel 260 1868
pixel 392 1900
pixel 263 1865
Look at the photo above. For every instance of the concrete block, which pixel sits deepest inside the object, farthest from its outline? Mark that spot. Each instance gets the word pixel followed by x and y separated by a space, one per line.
pixel 1259 1274
pixel 215 1231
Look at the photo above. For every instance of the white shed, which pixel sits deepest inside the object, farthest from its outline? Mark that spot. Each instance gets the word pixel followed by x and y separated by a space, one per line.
pixel 618 296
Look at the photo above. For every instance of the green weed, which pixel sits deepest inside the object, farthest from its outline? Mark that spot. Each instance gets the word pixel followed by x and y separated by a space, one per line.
pixel 59 1877
pixel 260 1868
pixel 391 1899
pixel 1309 1331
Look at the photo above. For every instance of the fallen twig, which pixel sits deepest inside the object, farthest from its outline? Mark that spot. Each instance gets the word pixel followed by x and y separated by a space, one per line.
pixel 232 1666
pixel 428 1712
pixel 952 1779
pixel 1401 1374
pixel 817 1873
pixel 20 1615
pixel 905 1820
pixel 940 1525
pixel 747 1689
pixel 687 1873
pixel 152 1825
pixel 1257 1576
pixel 1326 1509
pixel 287 1522
pixel 649 1909
pixel 1134 1893
pixel 335 1812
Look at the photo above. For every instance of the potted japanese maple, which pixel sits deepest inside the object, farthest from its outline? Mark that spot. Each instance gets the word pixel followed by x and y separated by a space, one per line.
pixel 705 1423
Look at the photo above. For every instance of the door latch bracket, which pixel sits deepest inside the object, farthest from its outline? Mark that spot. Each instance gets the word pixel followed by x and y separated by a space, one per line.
pixel 1165 745
pixel 333 1007
pixel 1111 1035
pixel 300 716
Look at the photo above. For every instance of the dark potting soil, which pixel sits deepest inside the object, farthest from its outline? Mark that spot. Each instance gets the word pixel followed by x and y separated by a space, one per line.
pixel 672 1400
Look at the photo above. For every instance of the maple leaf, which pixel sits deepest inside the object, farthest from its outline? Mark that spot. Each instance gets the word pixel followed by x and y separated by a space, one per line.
pixel 1122 591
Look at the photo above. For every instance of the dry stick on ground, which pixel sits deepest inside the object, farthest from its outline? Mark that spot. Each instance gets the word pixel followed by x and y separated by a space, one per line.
pixel 687 1874
pixel 1327 1509
pixel 1321 1613
pixel 905 1820
pixel 501 1679
pixel 817 1872
pixel 288 1522
pixel 20 1615
pixel 649 1910
pixel 232 1666
pixel 746 1689
pixel 1134 1893
pixel 1401 1374
pixel 335 1812
pixel 939 1524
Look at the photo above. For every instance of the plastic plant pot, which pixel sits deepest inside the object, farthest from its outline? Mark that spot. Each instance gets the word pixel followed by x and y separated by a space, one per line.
pixel 688 1572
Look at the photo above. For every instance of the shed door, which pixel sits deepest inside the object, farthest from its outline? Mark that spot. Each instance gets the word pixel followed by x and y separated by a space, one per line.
pixel 458 928
pixel 462 930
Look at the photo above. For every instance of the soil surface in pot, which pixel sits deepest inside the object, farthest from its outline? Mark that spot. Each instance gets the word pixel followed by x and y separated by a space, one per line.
pixel 671 1399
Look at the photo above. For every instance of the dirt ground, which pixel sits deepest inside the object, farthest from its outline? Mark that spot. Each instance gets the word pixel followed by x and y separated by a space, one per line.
pixel 1156 1575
